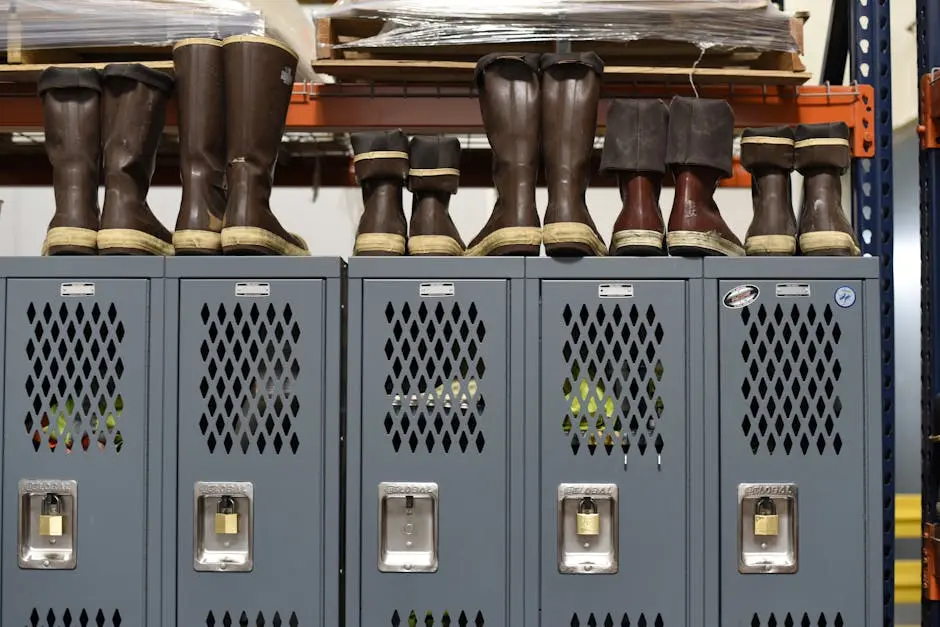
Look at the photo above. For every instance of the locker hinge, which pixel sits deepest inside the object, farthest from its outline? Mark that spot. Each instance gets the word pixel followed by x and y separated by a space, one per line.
pixel 928 126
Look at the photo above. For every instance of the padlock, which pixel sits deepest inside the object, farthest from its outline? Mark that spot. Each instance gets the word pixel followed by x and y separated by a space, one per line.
pixel 226 519
pixel 50 516
pixel 588 520
pixel 766 520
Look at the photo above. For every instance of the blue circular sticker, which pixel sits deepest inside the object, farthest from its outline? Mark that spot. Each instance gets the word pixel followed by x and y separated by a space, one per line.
pixel 845 297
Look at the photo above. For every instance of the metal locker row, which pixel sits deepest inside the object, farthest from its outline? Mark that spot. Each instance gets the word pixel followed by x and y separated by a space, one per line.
pixel 536 442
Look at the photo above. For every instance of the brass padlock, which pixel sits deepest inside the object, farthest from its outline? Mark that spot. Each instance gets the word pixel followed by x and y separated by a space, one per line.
pixel 588 520
pixel 50 516
pixel 226 518
pixel 766 520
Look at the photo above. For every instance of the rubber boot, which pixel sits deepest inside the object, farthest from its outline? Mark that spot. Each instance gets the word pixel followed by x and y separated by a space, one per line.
pixel 767 153
pixel 259 80
pixel 571 89
pixel 433 178
pixel 71 101
pixel 635 150
pixel 200 95
pixel 133 116
pixel 699 150
pixel 510 101
pixel 381 163
pixel 821 156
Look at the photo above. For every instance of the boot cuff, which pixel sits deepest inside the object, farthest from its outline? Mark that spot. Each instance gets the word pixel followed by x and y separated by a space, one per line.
pixel 435 164
pixel 140 73
pixel 529 59
pixel 380 154
pixel 767 147
pixel 69 78
pixel 259 39
pixel 822 145
pixel 701 132
pixel 635 140
pixel 588 59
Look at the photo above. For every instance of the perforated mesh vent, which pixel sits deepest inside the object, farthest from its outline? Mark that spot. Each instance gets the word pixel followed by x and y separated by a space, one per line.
pixel 430 619
pixel 617 620
pixel 436 378
pixel 797 620
pixel 74 383
pixel 613 375
pixel 246 619
pixel 74 618
pixel 790 385
pixel 252 366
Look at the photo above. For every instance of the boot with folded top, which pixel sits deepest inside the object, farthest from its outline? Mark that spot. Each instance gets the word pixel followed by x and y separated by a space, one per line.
pixel 510 101
pixel 71 111
pixel 433 178
pixel 200 93
pixel 133 117
pixel 381 163
pixel 635 150
pixel 767 153
pixel 699 151
pixel 259 80
pixel 571 86
pixel 822 155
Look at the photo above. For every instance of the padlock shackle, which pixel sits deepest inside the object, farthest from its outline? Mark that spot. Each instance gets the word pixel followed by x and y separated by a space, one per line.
pixel 587 502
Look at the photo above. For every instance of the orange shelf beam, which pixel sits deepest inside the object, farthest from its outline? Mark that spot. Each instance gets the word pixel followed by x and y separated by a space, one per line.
pixel 345 107
pixel 929 126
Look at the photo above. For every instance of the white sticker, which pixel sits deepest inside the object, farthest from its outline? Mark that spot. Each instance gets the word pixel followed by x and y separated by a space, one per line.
pixel 253 290
pixel 845 297
pixel 436 290
pixel 287 76
pixel 740 296
pixel 793 290
pixel 611 290
pixel 77 289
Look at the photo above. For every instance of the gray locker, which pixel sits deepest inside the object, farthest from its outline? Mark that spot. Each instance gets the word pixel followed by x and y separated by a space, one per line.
pixel 82 444
pixel 793 379
pixel 254 403
pixel 613 351
pixel 434 482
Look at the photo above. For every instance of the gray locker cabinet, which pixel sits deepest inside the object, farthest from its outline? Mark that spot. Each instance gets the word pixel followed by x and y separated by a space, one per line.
pixel 793 381
pixel 614 351
pixel 436 396
pixel 82 386
pixel 255 359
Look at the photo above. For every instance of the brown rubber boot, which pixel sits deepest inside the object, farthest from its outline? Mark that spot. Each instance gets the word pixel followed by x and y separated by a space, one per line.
pixel 200 95
pixel 510 101
pixel 571 89
pixel 259 80
pixel 767 153
pixel 132 120
pixel 381 162
pixel 635 150
pixel 433 179
pixel 71 101
pixel 821 155
pixel 699 151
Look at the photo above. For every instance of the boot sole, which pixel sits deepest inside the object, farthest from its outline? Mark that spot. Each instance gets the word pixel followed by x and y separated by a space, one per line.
pixel 196 242
pixel 70 240
pixel 770 245
pixel 572 239
pixel 132 242
pixel 523 241
pixel 252 240
pixel 699 244
pixel 379 245
pixel 829 244
pixel 637 243
pixel 434 245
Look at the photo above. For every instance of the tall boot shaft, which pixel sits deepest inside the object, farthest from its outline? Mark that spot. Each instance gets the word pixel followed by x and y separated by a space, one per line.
pixel 767 153
pixel 200 93
pixel 433 178
pixel 381 163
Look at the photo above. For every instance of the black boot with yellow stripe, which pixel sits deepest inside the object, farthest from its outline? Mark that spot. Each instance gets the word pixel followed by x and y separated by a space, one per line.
pixel 433 179
pixel 381 163
pixel 767 153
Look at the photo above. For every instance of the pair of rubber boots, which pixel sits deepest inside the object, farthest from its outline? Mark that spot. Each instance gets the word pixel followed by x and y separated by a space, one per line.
pixel 385 162
pixel 114 122
pixel 540 105
pixel 820 152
